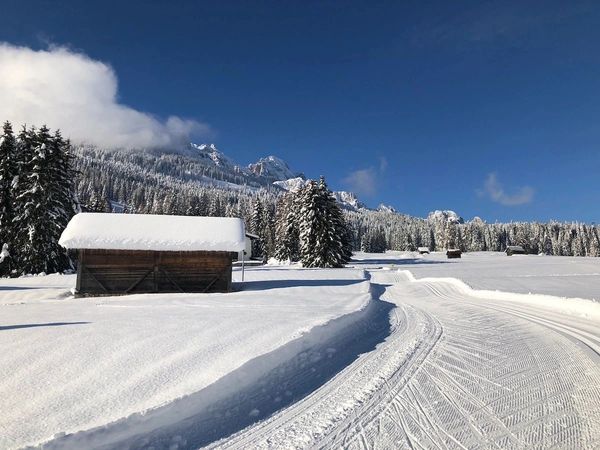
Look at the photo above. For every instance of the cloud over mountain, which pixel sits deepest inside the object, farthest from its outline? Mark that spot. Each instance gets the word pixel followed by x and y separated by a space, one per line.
pixel 68 90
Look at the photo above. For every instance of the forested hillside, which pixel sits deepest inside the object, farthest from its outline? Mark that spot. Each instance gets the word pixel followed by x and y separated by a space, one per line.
pixel 146 182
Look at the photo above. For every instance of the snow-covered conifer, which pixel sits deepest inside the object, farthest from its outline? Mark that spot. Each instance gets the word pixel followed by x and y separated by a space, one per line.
pixel 8 172
pixel 322 227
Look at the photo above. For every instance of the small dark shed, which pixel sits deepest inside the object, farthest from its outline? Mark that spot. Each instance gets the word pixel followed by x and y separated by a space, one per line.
pixel 515 250
pixel 138 253
pixel 453 253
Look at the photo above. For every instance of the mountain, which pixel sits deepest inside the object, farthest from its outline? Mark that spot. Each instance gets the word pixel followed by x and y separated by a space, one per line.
pixel 349 200
pixel 273 169
pixel 292 184
pixel 386 208
pixel 444 216
pixel 212 156
pixel 202 165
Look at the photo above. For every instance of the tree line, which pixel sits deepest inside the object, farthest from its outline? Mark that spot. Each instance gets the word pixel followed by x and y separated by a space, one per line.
pixel 37 200
pixel 380 231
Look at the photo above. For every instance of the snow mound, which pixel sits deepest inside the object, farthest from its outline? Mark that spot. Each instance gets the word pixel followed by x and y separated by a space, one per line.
pixel 578 307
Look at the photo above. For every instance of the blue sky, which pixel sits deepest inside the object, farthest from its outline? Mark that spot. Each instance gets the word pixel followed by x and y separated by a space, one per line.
pixel 487 108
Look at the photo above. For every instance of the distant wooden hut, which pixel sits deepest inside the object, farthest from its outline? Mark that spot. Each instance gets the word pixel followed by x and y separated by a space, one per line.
pixel 423 250
pixel 453 253
pixel 515 250
pixel 138 253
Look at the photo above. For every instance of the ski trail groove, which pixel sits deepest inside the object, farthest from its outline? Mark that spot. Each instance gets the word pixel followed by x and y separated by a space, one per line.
pixel 478 374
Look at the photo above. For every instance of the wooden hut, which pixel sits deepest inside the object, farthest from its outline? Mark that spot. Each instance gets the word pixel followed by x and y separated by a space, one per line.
pixel 139 253
pixel 423 250
pixel 246 254
pixel 453 253
pixel 515 250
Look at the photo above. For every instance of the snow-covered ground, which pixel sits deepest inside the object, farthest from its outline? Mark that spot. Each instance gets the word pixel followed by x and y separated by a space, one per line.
pixel 73 364
pixel 561 276
pixel 458 370
pixel 303 358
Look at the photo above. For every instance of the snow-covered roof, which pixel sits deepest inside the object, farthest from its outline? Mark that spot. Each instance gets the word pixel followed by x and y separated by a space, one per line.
pixel 423 249
pixel 153 232
pixel 515 248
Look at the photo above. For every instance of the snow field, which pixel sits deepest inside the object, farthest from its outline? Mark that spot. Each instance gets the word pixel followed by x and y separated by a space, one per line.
pixel 302 358
pixel 500 372
pixel 558 276
pixel 75 364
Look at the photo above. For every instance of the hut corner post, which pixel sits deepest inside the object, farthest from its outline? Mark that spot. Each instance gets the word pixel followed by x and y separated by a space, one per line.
pixel 79 271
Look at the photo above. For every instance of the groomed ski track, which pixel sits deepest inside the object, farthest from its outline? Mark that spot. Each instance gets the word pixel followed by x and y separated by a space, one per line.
pixel 457 371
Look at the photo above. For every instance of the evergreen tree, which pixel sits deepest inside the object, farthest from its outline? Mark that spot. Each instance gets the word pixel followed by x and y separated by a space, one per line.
pixel 31 201
pixel 97 204
pixel 268 232
pixel 374 241
pixel 257 227
pixel 44 201
pixel 8 172
pixel 286 228
pixel 63 203
pixel 322 227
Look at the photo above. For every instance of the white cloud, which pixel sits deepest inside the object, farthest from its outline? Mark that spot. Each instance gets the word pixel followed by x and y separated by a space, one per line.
pixel 68 90
pixel 363 181
pixel 494 190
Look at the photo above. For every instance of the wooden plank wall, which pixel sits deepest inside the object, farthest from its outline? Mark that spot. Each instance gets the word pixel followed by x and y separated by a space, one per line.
pixel 102 272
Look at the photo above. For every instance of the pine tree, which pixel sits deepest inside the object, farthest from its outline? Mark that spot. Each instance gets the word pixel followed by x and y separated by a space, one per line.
pixel 322 228
pixel 31 201
pixel 451 235
pixel 374 241
pixel 8 172
pixel 257 226
pixel 286 228
pixel 268 232
pixel 215 208
pixel 62 200
pixel 44 202
pixel 97 204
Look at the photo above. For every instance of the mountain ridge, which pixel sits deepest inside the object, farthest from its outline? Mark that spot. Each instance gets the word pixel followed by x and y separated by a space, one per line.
pixel 209 166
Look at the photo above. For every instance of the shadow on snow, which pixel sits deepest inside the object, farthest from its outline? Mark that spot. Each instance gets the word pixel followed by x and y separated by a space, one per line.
pixel 396 262
pixel 279 284
pixel 35 325
pixel 17 288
